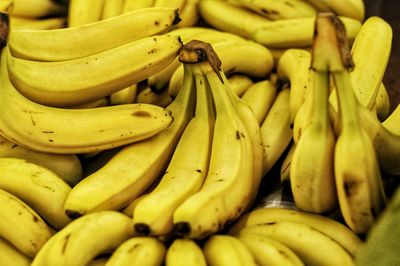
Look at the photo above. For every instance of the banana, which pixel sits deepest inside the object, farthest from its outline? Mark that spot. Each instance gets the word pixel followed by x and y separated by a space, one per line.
pixel 189 14
pixel 221 250
pixel 10 256
pixel 231 164
pixel 98 262
pixel 260 97
pixel 160 98
pixel 382 103
pixel 276 133
pixel 284 173
pixel 6 6
pixel 66 166
pixel 124 96
pixel 275 10
pixel 183 252
pixel 131 5
pixel 91 104
pixel 76 42
pixel 267 251
pixel 22 226
pixel 144 251
pixel 351 8
pixel 170 3
pixel 240 83
pixel 135 167
pixel 226 16
pixel 22 23
pixel 81 12
pixel 85 238
pixel 312 246
pixel 49 129
pixel 112 8
pixel 158 82
pixel 154 213
pixel 41 189
pixel 332 228
pixel 296 32
pixel 37 8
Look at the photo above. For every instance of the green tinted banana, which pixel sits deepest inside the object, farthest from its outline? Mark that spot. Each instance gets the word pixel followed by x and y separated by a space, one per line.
pixel 48 129
pixel 186 171
pixel 84 79
pixel 41 189
pixel 85 238
pixel 144 251
pixel 81 12
pixel 260 97
pixel 77 42
pixel 183 252
pixel 112 8
pixel 221 250
pixel 276 132
pixel 22 226
pixel 135 167
pixel 350 8
pixel 276 10
pixel 267 251
pixel 332 228
pixel 10 256
pixel 66 166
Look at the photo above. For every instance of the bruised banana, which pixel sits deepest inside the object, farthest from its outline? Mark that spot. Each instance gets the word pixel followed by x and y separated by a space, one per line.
pixel 10 256
pixel 76 42
pixel 183 252
pixel 135 167
pixel 85 238
pixel 70 82
pixel 40 188
pixel 53 130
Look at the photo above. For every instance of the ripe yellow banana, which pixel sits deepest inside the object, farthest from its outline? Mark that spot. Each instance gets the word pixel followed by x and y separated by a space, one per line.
pixel 312 246
pixel 144 251
pixel 240 83
pixel 186 171
pixel 22 23
pixel 169 3
pixel 77 42
pixel 350 8
pixel 276 132
pixel 124 96
pixel 148 95
pixel 183 252
pixel 332 228
pixel 267 251
pixel 22 226
pixel 189 14
pixel 284 173
pixel 66 166
pixel 296 32
pixel 382 103
pixel 229 182
pixel 85 238
pixel 135 167
pixel 10 256
pixel 53 130
pixel 81 12
pixel 6 6
pixel 75 81
pixel 275 10
pixel 260 97
pixel 112 8
pixel 37 8
pixel 221 250
pixel 130 5
pixel 41 189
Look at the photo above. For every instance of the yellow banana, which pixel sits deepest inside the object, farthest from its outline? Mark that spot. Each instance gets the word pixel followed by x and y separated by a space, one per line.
pixel 240 83
pixel 350 8
pixel 144 251
pixel 53 130
pixel 112 8
pixel 382 103
pixel 6 6
pixel 77 42
pixel 81 12
pixel 37 8
pixel 160 98
pixel 135 167
pixel 169 3
pixel 189 14
pixel 183 252
pixel 124 96
pixel 284 172
pixel 22 23
pixel 130 5
pixel 85 238
pixel 10 256
pixel 22 226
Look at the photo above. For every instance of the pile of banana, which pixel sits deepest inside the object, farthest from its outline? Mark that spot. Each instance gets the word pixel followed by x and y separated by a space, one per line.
pixel 144 132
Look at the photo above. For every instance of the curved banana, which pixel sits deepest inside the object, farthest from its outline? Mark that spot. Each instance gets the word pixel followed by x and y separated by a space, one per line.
pixel 81 12
pixel 186 170
pixel 84 79
pixel 296 32
pixel 135 167
pixel 240 83
pixel 260 97
pixel 22 23
pixel 267 251
pixel 189 14
pixel 41 189
pixel 144 251
pixel 22 226
pixel 332 228
pixel 183 252
pixel 10 256
pixel 66 166
pixel 220 250
pixel 124 96
pixel 76 42
pixel 85 238
pixel 350 8
pixel 53 130
pixel 276 132
pixel 231 164
pixel 112 8
pixel 276 10
pixel 312 246
pixel 229 17
pixel 37 8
